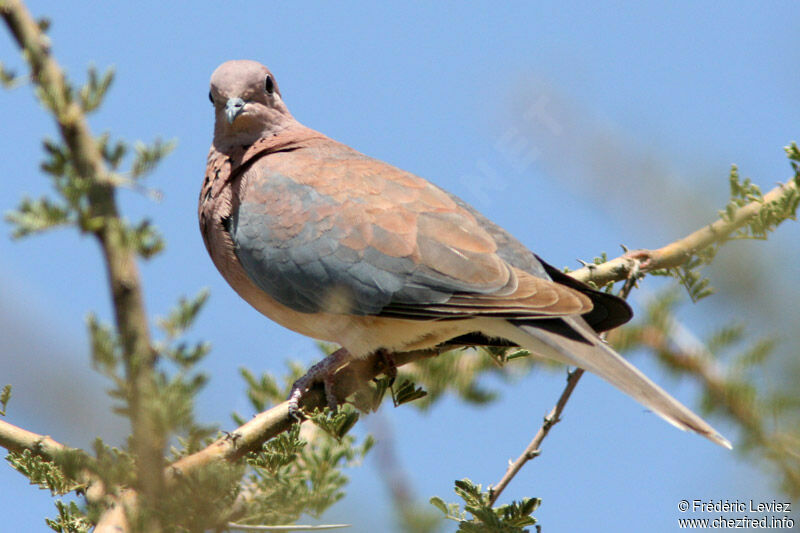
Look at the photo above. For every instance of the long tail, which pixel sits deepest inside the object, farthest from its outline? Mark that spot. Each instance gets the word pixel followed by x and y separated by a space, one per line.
pixel 599 359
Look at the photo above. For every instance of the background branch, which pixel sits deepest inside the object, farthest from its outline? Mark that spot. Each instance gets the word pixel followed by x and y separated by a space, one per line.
pixel 724 392
pixel 103 221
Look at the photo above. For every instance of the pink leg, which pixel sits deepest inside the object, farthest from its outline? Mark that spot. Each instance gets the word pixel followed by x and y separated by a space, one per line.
pixel 321 372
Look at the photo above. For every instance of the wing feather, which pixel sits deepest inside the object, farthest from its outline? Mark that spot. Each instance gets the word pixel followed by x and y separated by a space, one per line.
pixel 326 228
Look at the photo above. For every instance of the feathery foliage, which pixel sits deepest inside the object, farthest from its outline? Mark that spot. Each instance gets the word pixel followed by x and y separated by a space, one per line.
pixel 509 518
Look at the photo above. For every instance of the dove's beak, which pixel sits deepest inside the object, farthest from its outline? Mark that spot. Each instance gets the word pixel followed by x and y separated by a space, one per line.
pixel 233 108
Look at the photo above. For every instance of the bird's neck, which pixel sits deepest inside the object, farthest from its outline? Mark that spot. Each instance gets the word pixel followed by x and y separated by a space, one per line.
pixel 241 149
pixel 227 139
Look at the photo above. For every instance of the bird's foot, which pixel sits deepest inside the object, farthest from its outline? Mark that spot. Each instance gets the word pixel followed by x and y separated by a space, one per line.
pixel 641 258
pixel 322 372
pixel 389 365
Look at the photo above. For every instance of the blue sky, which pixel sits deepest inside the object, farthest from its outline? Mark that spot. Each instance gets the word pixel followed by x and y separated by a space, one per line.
pixel 574 125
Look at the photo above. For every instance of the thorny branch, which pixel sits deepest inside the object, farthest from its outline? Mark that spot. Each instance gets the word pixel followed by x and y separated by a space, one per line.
pixel 554 416
pixel 16 439
pixel 679 252
pixel 266 425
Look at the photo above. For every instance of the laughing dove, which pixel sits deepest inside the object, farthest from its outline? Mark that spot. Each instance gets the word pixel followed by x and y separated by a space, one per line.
pixel 344 248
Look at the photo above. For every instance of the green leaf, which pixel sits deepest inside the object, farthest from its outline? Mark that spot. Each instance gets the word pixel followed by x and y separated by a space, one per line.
pixel 57 160
pixel 407 392
pixel 793 153
pixel 725 337
pixel 8 78
pixel 71 519
pixel 509 518
pixel 104 347
pixel 263 391
pixel 279 451
pixel 203 499
pixel 42 472
pixel 696 286
pixel 144 239
pixel 755 354
pixel 37 216
pixel 186 355
pixel 382 385
pixel 470 493
pixel 290 477
pixel 91 95
pixel 336 424
pixel 183 315
pixel 147 157
pixel 112 153
pixel 439 504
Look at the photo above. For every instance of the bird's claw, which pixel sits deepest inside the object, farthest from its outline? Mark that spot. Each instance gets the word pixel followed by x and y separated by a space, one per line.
pixel 389 365
pixel 641 257
pixel 294 402
pixel 322 372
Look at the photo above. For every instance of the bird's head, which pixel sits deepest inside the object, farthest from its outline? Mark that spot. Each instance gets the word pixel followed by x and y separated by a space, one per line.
pixel 247 103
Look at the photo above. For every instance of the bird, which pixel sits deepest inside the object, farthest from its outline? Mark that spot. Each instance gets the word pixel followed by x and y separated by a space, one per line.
pixel 345 248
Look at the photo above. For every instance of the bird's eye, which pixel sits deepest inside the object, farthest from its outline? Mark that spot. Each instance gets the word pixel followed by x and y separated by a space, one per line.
pixel 211 97
pixel 269 85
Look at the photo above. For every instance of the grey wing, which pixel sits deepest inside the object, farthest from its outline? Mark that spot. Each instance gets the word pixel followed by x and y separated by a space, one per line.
pixel 608 311
pixel 354 235
pixel 357 246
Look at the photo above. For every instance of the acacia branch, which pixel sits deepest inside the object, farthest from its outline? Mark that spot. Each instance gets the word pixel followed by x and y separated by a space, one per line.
pixel 554 416
pixel 679 252
pixel 251 436
pixel 16 439
pixel 532 450
pixel 122 271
